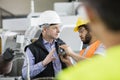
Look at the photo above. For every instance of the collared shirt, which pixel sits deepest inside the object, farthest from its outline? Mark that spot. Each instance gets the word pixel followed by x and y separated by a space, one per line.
pixel 35 69
pixel 56 63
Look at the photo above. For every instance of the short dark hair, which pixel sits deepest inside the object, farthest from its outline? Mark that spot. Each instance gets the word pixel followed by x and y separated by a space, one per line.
pixel 108 11
pixel 86 26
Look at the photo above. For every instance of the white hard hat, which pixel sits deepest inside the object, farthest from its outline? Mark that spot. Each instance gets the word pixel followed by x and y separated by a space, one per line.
pixel 49 17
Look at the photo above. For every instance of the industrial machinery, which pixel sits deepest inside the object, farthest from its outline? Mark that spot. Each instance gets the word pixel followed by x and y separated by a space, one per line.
pixel 25 29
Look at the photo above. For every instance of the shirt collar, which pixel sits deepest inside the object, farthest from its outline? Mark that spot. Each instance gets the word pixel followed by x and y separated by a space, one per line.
pixel 46 42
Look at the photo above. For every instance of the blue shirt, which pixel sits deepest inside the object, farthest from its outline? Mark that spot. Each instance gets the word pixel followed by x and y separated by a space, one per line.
pixel 35 69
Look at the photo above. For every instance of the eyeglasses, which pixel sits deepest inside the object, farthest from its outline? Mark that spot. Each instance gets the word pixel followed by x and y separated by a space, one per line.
pixel 81 30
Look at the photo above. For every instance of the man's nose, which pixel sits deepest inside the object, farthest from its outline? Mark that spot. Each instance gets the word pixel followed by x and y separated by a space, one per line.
pixel 80 35
pixel 58 30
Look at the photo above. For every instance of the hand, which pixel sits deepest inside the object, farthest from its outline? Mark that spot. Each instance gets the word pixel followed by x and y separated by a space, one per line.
pixel 67 49
pixel 49 57
pixel 8 55
pixel 66 60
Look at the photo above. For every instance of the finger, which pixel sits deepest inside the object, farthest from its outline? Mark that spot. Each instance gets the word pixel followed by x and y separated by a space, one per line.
pixel 61 57
pixel 64 46
pixel 52 52
pixel 60 54
pixel 53 58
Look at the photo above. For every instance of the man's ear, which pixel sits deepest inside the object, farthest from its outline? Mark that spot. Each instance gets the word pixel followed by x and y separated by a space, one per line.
pixel 44 28
pixel 91 13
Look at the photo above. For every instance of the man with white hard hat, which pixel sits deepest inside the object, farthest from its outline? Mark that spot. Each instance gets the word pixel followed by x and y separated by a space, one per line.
pixel 43 53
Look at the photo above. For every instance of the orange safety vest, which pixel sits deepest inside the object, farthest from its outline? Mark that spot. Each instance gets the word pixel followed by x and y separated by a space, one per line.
pixel 91 50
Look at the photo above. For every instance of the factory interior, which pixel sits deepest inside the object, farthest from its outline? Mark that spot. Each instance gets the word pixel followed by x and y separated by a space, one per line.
pixel 21 28
pixel 18 23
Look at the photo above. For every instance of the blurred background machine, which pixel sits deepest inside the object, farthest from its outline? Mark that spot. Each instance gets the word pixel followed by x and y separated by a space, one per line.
pixel 28 27
pixel 18 32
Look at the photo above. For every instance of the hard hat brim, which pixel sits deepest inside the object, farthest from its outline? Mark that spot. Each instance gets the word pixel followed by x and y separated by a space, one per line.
pixel 77 27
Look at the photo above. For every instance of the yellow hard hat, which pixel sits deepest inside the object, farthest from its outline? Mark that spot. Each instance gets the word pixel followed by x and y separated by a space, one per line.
pixel 80 22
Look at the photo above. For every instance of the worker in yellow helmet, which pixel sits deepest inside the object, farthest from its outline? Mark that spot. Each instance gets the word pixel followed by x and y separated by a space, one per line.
pixel 105 22
pixel 94 47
